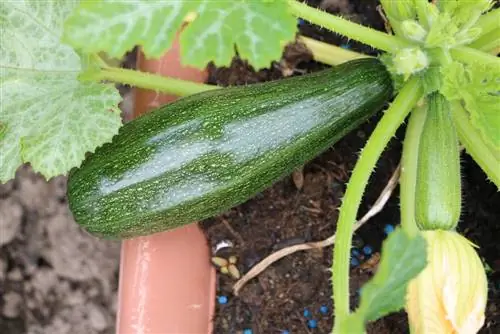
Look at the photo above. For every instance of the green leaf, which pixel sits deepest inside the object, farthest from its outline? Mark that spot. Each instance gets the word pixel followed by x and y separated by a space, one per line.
pixel 259 29
pixel 49 118
pixel 402 259
pixel 479 87
pixel 442 32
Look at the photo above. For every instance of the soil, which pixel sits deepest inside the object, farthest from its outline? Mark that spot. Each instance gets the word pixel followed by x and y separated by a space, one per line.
pixel 56 278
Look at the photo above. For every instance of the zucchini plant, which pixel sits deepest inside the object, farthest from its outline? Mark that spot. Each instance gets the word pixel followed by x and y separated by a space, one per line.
pixel 228 144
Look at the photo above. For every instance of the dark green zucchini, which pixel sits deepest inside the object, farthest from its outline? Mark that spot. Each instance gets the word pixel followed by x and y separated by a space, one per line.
pixel 203 154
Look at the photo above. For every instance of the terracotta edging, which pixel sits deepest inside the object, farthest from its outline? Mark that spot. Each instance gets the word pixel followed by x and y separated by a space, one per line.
pixel 167 285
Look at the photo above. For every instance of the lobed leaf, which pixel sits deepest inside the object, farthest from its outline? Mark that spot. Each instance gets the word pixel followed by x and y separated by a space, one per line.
pixel 48 117
pixel 258 29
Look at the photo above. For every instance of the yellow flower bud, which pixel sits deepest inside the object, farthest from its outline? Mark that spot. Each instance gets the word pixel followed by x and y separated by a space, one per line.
pixel 449 295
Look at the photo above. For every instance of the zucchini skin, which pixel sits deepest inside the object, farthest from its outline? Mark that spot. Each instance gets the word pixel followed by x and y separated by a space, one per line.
pixel 438 193
pixel 205 153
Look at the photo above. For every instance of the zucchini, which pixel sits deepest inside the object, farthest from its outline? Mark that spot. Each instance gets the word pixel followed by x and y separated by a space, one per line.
pixel 438 193
pixel 205 153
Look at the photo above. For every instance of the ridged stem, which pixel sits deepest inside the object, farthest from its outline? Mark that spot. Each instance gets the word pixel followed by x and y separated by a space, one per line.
pixel 488 42
pixel 473 56
pixel 423 16
pixel 386 128
pixel 148 81
pixel 329 54
pixel 489 21
pixel 369 36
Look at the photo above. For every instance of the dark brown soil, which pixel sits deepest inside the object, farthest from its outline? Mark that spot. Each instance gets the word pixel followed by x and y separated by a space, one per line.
pixel 284 215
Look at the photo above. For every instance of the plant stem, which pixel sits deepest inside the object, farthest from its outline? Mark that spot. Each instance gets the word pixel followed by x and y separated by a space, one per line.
pixel 329 54
pixel 386 127
pixel 374 38
pixel 485 156
pixel 150 81
pixel 102 63
pixel 489 21
pixel 423 17
pixel 487 42
pixel 471 56
pixel 409 165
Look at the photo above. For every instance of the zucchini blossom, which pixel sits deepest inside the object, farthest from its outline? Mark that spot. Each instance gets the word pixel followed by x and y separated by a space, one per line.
pixel 449 295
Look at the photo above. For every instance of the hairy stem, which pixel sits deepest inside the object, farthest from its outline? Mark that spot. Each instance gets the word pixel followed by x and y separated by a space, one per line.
pixel 329 54
pixel 489 21
pixel 374 38
pixel 486 157
pixel 487 42
pixel 386 128
pixel 472 56
pixel 149 81
pixel 409 165
pixel 423 17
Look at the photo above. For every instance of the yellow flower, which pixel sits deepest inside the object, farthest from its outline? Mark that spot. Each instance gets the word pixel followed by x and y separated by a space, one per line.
pixel 449 295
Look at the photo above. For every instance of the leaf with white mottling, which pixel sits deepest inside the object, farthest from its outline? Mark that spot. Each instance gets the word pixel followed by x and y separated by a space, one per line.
pixel 48 118
pixel 117 26
pixel 478 86
pixel 258 29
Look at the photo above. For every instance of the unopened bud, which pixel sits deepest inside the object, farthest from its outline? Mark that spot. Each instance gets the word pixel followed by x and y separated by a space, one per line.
pixel 413 30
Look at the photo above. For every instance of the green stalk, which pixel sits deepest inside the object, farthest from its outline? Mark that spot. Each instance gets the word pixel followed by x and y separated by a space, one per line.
pixel 329 54
pixel 472 56
pixel 386 128
pixel 423 17
pixel 148 81
pixel 409 165
pixel 98 59
pixel 347 28
pixel 485 156
pixel 489 21
pixel 487 42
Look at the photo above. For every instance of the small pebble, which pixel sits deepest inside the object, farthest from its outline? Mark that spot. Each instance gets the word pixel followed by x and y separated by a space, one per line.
pixel 355 252
pixel 388 229
pixel 368 250
pixel 323 309
pixel 354 262
pixel 300 22
pixel 307 313
pixel 312 323
pixel 247 331
pixel 222 299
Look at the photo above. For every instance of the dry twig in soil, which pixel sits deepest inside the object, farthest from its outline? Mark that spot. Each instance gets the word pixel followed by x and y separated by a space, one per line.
pixel 375 209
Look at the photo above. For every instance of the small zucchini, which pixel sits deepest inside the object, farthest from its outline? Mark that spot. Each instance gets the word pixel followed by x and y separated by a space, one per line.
pixel 438 196
pixel 205 153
